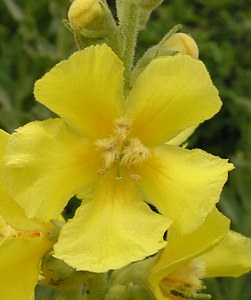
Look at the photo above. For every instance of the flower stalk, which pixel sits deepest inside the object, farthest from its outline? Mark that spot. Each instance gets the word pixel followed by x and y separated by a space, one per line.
pixel 128 24
pixel 97 287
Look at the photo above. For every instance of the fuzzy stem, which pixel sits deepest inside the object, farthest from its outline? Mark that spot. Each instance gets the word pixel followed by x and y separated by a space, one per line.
pixel 98 286
pixel 128 23
pixel 74 293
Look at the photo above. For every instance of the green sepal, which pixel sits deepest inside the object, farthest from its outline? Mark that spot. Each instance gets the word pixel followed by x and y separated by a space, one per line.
pixel 67 24
pixel 130 282
pixel 57 274
pixel 102 30
pixel 148 5
pixel 152 53
pixel 143 17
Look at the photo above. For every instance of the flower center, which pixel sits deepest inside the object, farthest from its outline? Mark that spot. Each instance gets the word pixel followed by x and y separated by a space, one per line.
pixel 121 150
pixel 185 282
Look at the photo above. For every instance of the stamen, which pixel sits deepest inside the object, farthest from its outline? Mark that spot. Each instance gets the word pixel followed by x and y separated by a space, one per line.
pixel 185 283
pixel 121 150
pixel 122 127
pixel 134 153
pixel 109 150
pixel 101 171
pixel 134 176
pixel 10 232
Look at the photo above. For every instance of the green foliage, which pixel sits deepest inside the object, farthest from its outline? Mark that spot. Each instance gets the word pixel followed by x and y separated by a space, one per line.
pixel 33 39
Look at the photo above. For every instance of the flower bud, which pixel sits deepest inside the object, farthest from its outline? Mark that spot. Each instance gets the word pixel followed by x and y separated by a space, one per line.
pixel 91 22
pixel 83 12
pixel 182 43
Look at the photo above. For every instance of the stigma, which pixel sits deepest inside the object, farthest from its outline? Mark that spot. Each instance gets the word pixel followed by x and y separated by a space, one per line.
pixel 121 150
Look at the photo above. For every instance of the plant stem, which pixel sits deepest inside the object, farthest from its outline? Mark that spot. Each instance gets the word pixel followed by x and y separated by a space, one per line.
pixel 98 286
pixel 128 23
pixel 74 293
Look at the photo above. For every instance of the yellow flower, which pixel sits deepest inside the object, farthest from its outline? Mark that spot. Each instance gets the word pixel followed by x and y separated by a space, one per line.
pixel 210 251
pixel 23 242
pixel 111 152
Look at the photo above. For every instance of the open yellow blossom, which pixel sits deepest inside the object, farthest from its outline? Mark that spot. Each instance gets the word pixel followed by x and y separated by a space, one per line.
pixel 112 153
pixel 210 251
pixel 23 242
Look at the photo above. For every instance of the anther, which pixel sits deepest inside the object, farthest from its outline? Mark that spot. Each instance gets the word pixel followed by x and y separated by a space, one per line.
pixel 134 153
pixel 101 171
pixel 134 176
pixel 122 128
pixel 109 150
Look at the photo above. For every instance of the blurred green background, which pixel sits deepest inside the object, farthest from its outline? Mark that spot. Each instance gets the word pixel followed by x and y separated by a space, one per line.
pixel 33 39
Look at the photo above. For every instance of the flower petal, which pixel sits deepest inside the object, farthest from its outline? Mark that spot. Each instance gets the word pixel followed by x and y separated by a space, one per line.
pixel 184 185
pixel 13 213
pixel 231 257
pixel 4 136
pixel 45 165
pixel 19 266
pixel 172 94
pixel 86 90
pixel 182 136
pixel 9 209
pixel 113 230
pixel 181 249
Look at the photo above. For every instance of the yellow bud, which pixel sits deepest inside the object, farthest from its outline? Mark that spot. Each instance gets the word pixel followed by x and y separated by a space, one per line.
pixel 182 43
pixel 83 12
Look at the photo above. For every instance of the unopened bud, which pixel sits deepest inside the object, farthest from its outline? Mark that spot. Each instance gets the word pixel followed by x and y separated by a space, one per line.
pixel 83 12
pixel 182 43
pixel 91 22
